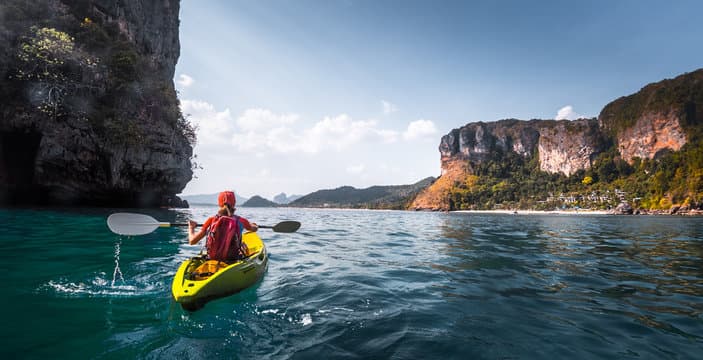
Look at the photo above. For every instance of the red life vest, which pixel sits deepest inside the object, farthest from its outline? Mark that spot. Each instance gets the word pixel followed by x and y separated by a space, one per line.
pixel 224 239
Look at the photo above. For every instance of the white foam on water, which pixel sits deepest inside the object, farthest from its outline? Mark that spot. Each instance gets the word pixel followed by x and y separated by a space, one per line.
pixel 306 319
pixel 100 286
pixel 117 264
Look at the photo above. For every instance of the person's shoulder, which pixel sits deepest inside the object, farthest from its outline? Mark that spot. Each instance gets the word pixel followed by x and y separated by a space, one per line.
pixel 210 220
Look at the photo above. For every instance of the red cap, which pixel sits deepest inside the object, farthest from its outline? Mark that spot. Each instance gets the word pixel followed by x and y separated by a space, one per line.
pixel 226 197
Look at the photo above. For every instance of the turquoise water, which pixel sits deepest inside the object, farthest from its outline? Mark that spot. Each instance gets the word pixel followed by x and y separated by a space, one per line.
pixel 361 284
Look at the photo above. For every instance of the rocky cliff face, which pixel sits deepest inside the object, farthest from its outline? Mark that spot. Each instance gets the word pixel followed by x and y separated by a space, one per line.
pixel 662 117
pixel 562 146
pixel 109 132
pixel 568 146
pixel 479 141
pixel 651 134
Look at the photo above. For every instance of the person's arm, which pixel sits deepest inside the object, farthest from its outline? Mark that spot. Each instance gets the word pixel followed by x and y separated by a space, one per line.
pixel 194 238
pixel 247 225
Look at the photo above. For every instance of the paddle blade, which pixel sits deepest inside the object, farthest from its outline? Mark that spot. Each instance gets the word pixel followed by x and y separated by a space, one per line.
pixel 131 224
pixel 286 226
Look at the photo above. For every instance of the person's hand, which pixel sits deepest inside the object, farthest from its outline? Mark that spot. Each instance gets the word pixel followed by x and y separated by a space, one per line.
pixel 254 227
pixel 192 224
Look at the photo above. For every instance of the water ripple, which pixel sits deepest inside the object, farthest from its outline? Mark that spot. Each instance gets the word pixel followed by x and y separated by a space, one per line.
pixel 368 284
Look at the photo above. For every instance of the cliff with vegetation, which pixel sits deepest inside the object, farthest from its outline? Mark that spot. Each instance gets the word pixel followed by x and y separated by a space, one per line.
pixel 89 113
pixel 645 149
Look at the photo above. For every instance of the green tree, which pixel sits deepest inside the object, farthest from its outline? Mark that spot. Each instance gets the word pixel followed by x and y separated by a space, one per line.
pixel 48 58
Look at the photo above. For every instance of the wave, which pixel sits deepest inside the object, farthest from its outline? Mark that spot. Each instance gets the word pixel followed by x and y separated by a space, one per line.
pixel 102 286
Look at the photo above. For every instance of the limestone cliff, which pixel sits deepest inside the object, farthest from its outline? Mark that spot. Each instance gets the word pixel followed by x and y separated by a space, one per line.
pixel 652 133
pixel 92 118
pixel 660 119
pixel 561 147
pixel 661 116
pixel 479 141
pixel 568 146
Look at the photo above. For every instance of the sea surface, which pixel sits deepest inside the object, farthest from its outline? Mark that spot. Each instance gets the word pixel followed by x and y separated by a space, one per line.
pixel 355 284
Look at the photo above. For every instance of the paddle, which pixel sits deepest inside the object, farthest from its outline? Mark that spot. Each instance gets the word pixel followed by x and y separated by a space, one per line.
pixel 140 224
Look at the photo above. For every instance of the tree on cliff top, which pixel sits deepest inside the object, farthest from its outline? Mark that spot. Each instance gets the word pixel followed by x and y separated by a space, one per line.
pixel 50 62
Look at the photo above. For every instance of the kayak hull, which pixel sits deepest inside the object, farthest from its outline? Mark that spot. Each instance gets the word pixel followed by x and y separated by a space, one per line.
pixel 199 280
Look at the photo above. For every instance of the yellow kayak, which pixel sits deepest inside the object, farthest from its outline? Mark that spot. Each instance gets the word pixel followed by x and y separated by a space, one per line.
pixel 199 280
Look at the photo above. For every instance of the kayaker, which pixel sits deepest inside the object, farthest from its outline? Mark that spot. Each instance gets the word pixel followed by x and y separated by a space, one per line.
pixel 226 201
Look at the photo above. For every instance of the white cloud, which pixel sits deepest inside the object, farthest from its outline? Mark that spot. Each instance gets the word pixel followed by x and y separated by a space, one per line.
pixel 355 169
pixel 388 107
pixel 185 81
pixel 567 113
pixel 262 119
pixel 419 129
pixel 262 131
pixel 342 131
pixel 214 127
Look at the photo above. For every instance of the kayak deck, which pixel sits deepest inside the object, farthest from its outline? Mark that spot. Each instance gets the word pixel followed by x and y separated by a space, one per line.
pixel 199 280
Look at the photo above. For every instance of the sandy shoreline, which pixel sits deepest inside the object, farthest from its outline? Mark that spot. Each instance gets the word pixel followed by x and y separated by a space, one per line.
pixel 509 212
pixel 537 212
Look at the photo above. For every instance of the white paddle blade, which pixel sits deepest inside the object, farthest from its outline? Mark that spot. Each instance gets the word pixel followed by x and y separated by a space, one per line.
pixel 131 224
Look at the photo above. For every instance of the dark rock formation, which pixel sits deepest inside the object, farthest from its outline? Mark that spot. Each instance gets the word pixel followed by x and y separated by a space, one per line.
pixel 110 132
pixel 623 208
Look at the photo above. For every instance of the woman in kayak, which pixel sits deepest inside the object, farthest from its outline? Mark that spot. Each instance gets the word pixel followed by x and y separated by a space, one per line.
pixel 226 201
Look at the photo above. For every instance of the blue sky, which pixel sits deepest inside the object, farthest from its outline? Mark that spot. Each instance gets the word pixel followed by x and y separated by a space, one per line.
pixel 295 96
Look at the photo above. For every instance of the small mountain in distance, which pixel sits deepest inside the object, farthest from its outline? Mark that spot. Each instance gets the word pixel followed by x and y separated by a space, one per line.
pixel 209 199
pixel 375 197
pixel 258 201
pixel 283 199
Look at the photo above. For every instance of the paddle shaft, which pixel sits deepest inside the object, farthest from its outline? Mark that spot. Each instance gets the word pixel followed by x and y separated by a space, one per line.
pixel 182 224
pixel 186 224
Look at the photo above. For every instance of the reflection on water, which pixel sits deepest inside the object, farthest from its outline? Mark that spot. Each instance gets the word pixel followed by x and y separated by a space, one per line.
pixel 610 273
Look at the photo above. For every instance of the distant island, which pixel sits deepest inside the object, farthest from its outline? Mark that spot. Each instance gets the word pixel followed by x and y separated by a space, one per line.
pixel 258 201
pixel 374 197
pixel 282 198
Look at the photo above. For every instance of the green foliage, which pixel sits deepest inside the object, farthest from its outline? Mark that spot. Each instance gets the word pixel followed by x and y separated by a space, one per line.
pixel 44 49
pixel 508 181
pixel 187 129
pixel 45 56
pixel 123 64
